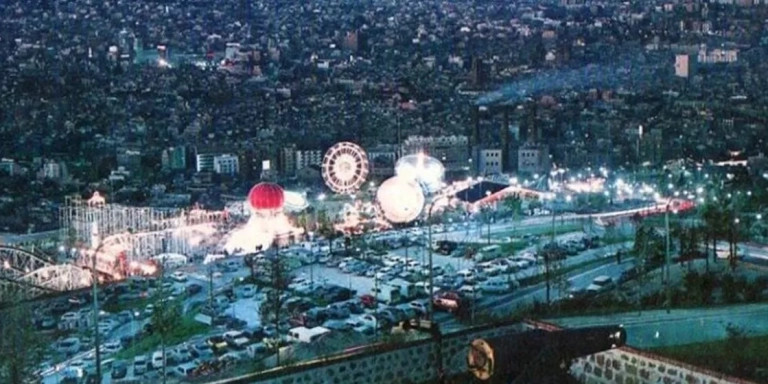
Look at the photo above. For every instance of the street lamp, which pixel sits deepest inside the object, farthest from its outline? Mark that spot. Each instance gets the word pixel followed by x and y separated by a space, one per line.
pixel 95 309
pixel 431 269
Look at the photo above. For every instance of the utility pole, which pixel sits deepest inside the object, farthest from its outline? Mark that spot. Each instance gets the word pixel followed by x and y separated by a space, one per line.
pixel 276 272
pixel 431 270
pixel 210 285
pixel 97 244
pixel 95 310
pixel 376 305
pixel 553 223
pixel 667 259
pixel 489 230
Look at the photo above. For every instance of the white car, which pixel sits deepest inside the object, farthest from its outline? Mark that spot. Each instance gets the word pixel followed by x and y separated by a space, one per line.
pixel 140 365
pixel 111 347
pixel 157 360
pixel 179 276
pixel 600 283
pixel 492 269
pixel 68 346
pixel 471 292
pixel 499 285
pixel 248 290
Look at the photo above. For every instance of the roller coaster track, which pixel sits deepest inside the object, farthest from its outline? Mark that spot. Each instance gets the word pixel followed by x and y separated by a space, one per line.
pixel 25 274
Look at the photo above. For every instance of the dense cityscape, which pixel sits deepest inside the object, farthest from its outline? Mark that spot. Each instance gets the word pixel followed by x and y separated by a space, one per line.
pixel 344 191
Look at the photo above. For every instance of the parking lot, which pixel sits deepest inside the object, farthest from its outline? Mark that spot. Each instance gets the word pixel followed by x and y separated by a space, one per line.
pixel 349 296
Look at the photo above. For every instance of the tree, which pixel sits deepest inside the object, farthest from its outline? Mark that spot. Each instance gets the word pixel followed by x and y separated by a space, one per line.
pixel 534 204
pixel 272 307
pixel 327 230
pixel 166 317
pixel 21 347
pixel 514 207
pixel 553 256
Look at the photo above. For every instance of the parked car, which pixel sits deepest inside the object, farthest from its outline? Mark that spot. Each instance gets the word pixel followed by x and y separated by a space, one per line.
pixel 498 285
pixel 338 311
pixel 600 283
pixel 69 346
pixel 157 360
pixel 253 333
pixel 111 347
pixel 471 292
pixel 201 351
pixel 140 365
pixel 185 370
pixel 368 301
pixel 194 289
pixel 421 306
pixel 337 325
pixel 179 276
pixel 448 301
pixel 119 370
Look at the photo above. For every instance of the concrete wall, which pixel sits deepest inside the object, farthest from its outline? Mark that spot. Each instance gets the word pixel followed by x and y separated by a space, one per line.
pixel 627 365
pixel 412 362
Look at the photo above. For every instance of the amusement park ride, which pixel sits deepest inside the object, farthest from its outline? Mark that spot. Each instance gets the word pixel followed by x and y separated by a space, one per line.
pixel 124 240
pixel 117 241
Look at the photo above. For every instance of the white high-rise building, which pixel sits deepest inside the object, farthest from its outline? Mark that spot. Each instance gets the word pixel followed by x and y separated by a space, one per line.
pixel 204 162
pixel 226 164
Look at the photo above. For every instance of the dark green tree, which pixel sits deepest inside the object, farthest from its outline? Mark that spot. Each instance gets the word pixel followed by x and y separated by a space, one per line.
pixel 166 317
pixel 21 347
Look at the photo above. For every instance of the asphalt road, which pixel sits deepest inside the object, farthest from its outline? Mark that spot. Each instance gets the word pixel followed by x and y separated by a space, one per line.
pixel 657 328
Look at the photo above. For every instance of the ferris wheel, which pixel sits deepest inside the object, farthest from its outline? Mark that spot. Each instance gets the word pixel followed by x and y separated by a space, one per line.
pixel 345 167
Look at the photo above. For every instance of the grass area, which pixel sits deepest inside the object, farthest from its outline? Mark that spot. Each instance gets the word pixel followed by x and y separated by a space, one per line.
pixel 532 280
pixel 506 248
pixel 738 356
pixel 611 240
pixel 659 220
pixel 119 306
pixel 513 247
pixel 187 328
pixel 540 230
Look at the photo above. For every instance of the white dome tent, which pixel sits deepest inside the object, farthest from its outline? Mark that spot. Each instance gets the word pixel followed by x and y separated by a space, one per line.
pixel 400 199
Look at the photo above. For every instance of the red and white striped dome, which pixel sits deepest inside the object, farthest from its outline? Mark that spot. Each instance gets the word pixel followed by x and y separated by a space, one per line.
pixel 266 196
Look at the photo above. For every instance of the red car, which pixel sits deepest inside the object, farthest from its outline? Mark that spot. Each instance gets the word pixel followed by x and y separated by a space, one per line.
pixel 447 301
pixel 368 301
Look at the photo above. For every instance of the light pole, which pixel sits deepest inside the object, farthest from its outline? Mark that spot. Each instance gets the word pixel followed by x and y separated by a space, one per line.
pixel 95 309
pixel 431 270
pixel 667 259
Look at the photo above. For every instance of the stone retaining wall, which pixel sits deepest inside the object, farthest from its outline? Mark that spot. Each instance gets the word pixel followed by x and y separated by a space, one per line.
pixel 406 363
pixel 627 365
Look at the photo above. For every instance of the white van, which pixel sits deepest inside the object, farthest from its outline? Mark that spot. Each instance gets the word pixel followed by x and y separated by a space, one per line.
pixel 488 253
pixel 139 365
pixel 498 286
pixel 157 360
pixel 600 283
pixel 307 335
pixel 185 370
pixel 212 258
